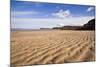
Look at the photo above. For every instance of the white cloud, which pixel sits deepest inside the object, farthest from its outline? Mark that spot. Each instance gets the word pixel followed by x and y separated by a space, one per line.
pixel 62 14
pixel 60 24
pixel 14 13
pixel 47 22
pixel 23 12
pixel 90 9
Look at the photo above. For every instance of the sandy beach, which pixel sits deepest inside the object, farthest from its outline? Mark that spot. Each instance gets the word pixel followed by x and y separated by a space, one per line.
pixel 52 46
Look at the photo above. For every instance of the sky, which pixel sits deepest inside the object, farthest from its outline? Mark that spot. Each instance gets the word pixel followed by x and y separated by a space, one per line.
pixel 36 15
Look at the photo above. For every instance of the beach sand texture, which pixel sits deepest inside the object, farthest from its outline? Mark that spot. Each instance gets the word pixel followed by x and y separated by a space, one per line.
pixel 52 47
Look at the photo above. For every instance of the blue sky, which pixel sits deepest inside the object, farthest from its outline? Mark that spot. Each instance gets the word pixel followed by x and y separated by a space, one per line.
pixel 35 15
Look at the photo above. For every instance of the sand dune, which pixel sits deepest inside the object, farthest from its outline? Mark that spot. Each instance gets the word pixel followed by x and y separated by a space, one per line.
pixel 56 46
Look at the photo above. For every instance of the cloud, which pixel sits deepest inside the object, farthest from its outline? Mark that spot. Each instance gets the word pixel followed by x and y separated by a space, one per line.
pixel 30 23
pixel 60 24
pixel 90 9
pixel 23 13
pixel 62 14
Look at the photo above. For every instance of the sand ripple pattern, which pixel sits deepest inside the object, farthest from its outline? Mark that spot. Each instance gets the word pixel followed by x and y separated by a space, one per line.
pixel 51 47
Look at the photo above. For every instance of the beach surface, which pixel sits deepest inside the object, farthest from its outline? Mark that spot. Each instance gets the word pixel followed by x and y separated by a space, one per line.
pixel 52 47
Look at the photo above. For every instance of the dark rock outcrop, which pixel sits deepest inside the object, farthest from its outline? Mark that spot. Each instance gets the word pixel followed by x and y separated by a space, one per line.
pixel 90 25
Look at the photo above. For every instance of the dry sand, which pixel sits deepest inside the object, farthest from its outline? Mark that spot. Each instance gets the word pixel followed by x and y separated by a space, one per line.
pixel 50 47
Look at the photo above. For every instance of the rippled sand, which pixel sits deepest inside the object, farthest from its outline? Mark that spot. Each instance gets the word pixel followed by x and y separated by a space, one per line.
pixel 50 47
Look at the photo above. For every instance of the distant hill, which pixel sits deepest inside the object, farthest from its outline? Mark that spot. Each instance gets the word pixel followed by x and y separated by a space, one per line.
pixel 68 27
pixel 45 28
pixel 88 26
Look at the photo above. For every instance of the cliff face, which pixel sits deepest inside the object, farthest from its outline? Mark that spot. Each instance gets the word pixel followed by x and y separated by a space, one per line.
pixel 88 26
